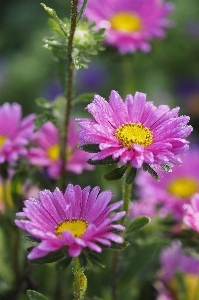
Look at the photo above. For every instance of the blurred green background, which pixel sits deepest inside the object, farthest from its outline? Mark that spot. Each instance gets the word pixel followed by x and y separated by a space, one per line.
pixel 169 73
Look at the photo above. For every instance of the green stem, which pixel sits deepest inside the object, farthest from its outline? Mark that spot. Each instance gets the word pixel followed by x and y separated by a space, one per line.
pixel 69 91
pixel 128 85
pixel 77 294
pixel 116 257
pixel 126 197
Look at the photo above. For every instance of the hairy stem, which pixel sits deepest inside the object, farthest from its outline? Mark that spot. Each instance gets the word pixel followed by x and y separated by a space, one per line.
pixel 126 197
pixel 77 295
pixel 69 91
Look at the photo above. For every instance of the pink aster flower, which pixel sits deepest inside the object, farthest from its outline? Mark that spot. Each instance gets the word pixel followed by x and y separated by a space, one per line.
pixel 15 132
pixel 47 151
pixel 130 24
pixel 191 217
pixel 173 260
pixel 135 131
pixel 175 189
pixel 77 219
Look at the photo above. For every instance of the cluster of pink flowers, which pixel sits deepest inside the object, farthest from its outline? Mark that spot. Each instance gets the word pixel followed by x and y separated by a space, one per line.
pixel 15 132
pixel 130 24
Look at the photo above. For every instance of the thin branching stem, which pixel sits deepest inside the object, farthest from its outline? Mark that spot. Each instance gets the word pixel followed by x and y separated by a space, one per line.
pixel 69 91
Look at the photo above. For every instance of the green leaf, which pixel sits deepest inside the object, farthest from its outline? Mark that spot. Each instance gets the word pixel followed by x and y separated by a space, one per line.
pixel 42 119
pixel 94 259
pixel 86 97
pixel 137 224
pixel 32 239
pixel 81 10
pixel 41 102
pixel 49 258
pixel 143 257
pixel 50 11
pixel 119 247
pixel 181 287
pixel 166 167
pixel 63 263
pixel 115 174
pixel 106 161
pixel 131 176
pixel 33 295
pixel 91 148
pixel 146 167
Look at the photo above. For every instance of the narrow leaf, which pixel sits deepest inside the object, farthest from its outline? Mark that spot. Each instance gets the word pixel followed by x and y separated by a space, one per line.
pixel 146 167
pixel 115 174
pixel 42 102
pixel 33 295
pixel 86 97
pixel 106 161
pixel 81 10
pixel 64 263
pixel 91 148
pixel 131 176
pixel 137 224
pixel 32 239
pixel 94 259
pixel 119 247
pixel 166 167
pixel 50 11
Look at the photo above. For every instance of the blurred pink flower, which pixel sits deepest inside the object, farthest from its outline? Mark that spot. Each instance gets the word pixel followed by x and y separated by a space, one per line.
pixel 47 152
pixel 191 217
pixel 175 189
pixel 77 219
pixel 135 131
pixel 130 24
pixel 142 207
pixel 173 260
pixel 15 132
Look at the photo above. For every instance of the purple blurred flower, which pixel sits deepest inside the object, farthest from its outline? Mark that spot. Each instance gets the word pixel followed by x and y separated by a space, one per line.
pixel 173 260
pixel 130 24
pixel 47 152
pixel 174 189
pixel 77 219
pixel 15 132
pixel 135 131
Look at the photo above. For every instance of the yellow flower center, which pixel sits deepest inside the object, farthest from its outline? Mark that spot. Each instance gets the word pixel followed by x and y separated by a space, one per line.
pixel 183 187
pixel 76 227
pixel 192 287
pixel 126 21
pixel 2 140
pixel 132 133
pixel 54 152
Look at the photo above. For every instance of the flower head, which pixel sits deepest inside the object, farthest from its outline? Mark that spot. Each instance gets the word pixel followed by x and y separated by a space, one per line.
pixel 15 133
pixel 191 217
pixel 175 189
pixel 173 260
pixel 135 131
pixel 130 24
pixel 47 152
pixel 77 219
